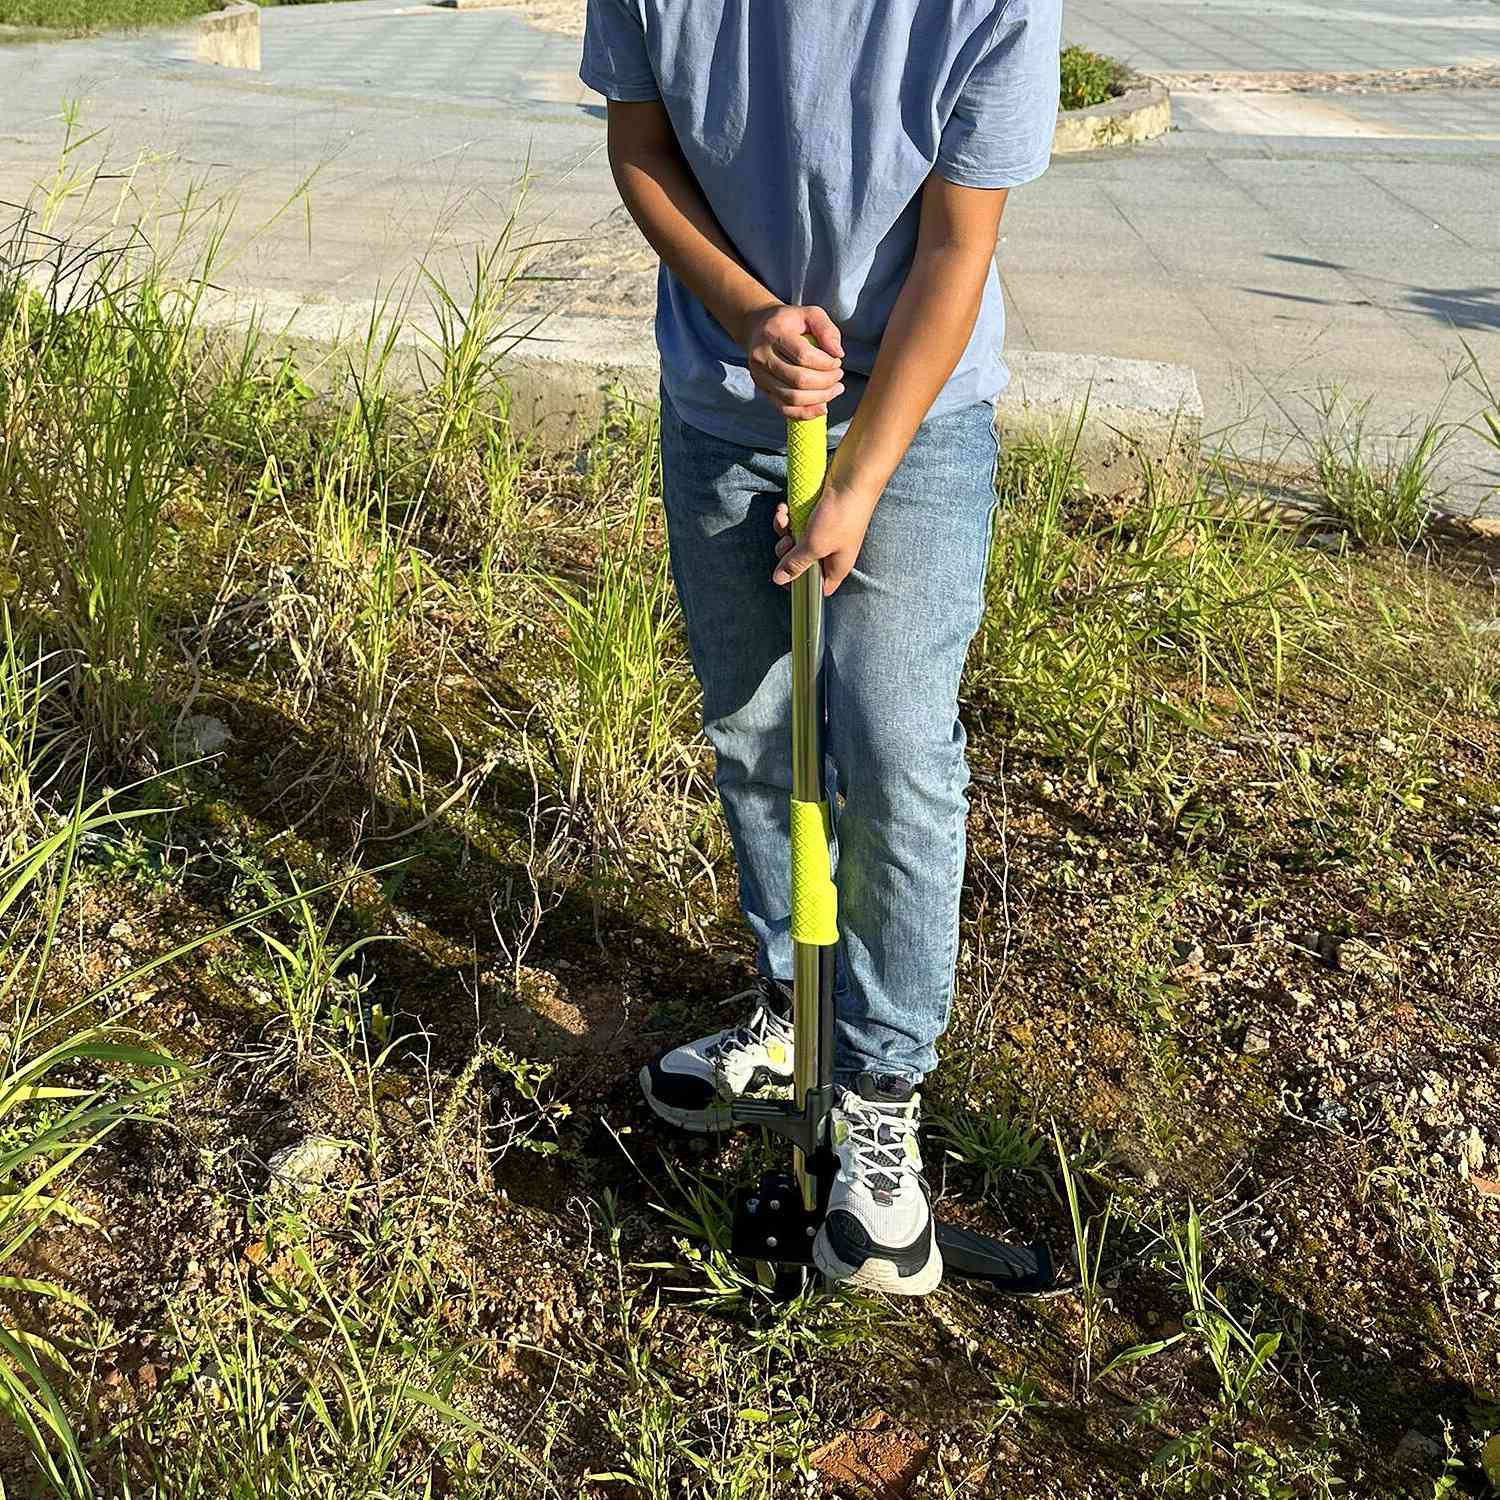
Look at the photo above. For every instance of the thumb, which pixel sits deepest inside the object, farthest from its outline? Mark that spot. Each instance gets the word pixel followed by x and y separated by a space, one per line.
pixel 824 330
pixel 794 564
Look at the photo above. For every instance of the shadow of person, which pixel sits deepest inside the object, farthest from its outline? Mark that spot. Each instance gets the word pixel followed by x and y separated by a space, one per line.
pixel 552 968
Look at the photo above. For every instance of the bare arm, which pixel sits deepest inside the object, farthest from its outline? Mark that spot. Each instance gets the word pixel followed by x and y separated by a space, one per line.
pixel 671 211
pixel 929 329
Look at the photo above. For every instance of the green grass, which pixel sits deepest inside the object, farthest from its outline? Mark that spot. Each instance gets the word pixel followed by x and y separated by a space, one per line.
pixel 459 870
pixel 1088 78
pixel 1382 491
pixel 86 17
pixel 80 17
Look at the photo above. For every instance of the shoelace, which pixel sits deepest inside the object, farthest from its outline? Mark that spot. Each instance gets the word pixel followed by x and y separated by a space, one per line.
pixel 749 1033
pixel 879 1145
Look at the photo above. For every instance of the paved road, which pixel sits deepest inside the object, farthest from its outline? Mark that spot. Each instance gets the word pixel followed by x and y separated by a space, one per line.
pixel 1275 241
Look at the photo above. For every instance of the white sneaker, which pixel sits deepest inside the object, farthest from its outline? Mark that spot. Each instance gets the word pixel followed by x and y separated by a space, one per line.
pixel 877 1231
pixel 694 1085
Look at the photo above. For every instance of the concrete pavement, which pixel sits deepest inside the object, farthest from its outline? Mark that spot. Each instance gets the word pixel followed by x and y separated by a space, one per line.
pixel 1268 35
pixel 1276 242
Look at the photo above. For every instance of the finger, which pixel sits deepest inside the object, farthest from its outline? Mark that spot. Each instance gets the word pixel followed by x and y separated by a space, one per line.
pixel 781 394
pixel 800 377
pixel 794 407
pixel 794 564
pixel 796 350
pixel 836 568
pixel 825 331
pixel 785 545
pixel 793 402
pixel 781 522
pixel 789 395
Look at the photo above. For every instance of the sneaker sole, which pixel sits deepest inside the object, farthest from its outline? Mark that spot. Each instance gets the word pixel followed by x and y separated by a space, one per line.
pixel 878 1275
pixel 714 1120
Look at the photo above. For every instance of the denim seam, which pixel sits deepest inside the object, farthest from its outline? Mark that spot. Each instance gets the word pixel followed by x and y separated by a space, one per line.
pixel 961 782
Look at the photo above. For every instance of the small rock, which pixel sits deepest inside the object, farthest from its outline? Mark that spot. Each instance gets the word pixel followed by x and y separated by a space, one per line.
pixel 1189 955
pixel 305 1166
pixel 877 1459
pixel 1416 1447
pixel 1351 956
pixel 120 932
pixel 1327 541
pixel 1257 1041
pixel 1473 1151
pixel 1134 1161
pixel 201 734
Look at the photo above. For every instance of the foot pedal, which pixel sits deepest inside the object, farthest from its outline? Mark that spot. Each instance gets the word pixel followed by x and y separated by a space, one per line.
pixel 1021 1270
pixel 771 1224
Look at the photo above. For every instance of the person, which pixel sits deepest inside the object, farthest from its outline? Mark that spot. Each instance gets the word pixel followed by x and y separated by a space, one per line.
pixel 824 184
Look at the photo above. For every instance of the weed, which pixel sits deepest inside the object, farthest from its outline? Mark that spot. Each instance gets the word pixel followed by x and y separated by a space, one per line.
pixel 363 584
pixel 50 1121
pixel 1089 1236
pixel 93 427
pixel 527 1079
pixel 1239 1357
pixel 1383 501
pixel 1088 78
pixel 1486 422
pixel 31 739
pixel 311 980
pixel 473 453
pixel 623 720
pixel 1107 642
pixel 996 1144
pixel 316 1389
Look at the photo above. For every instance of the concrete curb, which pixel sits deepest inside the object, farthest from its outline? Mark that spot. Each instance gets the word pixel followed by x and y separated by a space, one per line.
pixel 1142 112
pixel 229 38
pixel 1129 415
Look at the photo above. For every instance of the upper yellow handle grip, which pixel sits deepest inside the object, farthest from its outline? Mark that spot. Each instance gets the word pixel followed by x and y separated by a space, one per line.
pixel 806 465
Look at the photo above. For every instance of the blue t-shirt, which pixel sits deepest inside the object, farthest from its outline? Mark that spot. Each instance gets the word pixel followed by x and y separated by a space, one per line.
pixel 811 126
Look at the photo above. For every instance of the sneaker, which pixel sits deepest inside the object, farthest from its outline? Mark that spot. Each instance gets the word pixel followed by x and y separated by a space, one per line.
pixel 877 1232
pixel 693 1086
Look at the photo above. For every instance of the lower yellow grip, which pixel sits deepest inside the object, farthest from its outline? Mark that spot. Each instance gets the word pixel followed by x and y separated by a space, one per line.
pixel 806 467
pixel 815 898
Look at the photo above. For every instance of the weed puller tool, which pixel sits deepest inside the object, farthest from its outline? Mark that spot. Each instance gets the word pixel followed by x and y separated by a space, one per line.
pixel 777 1221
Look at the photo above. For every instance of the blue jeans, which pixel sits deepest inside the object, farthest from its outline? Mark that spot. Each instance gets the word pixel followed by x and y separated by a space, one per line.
pixel 897 633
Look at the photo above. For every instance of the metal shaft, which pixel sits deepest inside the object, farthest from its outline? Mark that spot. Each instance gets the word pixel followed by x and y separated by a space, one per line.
pixel 808 960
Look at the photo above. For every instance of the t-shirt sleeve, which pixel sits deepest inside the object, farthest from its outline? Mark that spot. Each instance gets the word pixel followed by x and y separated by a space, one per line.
pixel 615 61
pixel 1000 131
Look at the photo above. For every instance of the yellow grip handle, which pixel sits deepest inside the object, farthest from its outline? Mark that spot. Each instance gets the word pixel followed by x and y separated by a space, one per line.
pixel 806 465
pixel 815 898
